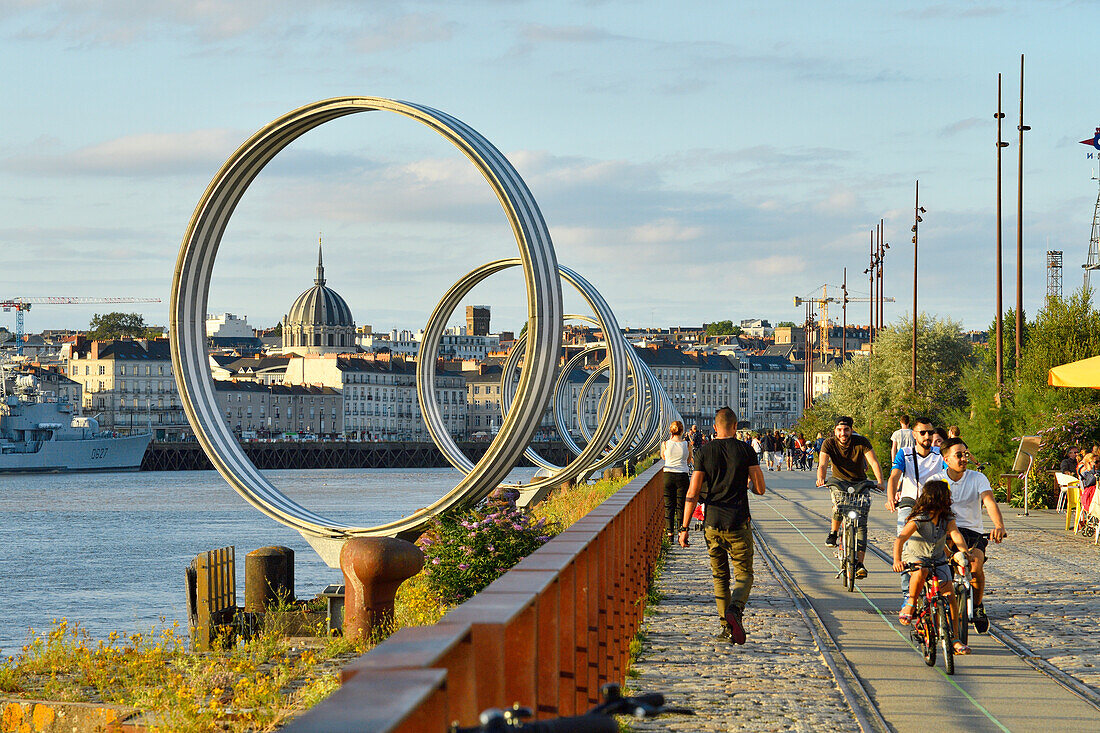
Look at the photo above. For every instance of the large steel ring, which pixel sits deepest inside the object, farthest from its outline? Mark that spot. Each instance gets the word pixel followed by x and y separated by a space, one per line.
pixel 190 289
pixel 429 352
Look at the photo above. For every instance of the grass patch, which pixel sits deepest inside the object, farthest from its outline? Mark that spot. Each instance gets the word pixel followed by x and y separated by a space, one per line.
pixel 256 685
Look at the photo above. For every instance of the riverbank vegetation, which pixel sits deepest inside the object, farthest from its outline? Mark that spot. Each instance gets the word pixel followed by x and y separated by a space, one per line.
pixel 259 684
pixel 957 385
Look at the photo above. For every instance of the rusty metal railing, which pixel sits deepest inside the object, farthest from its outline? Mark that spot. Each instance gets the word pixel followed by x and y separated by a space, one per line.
pixel 546 634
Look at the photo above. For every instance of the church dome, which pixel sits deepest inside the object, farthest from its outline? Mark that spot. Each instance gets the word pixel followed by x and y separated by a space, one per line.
pixel 320 305
pixel 319 321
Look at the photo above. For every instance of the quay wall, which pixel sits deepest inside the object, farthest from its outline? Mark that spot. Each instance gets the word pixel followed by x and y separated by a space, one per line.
pixel 547 634
pixel 189 456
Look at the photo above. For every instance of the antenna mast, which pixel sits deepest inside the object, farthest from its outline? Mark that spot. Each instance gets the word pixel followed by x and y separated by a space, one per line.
pixel 1093 261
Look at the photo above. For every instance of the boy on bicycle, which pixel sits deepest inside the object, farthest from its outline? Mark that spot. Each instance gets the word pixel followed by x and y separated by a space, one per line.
pixel 922 540
pixel 970 490
pixel 849 454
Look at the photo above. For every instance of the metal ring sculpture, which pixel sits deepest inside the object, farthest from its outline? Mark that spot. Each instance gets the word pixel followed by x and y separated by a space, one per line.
pixel 429 352
pixel 190 288
pixel 650 405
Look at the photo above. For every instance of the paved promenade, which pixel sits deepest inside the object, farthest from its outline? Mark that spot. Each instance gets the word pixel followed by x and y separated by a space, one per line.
pixel 1044 590
pixel 777 681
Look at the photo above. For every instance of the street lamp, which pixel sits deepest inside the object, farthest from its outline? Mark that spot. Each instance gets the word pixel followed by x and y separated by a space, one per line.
pixel 917 211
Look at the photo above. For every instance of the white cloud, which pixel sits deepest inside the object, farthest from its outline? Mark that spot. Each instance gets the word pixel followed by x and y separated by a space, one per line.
pixel 146 154
pixel 665 231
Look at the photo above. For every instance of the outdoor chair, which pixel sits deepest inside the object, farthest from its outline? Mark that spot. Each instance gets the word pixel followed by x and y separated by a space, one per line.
pixel 1064 480
pixel 1073 507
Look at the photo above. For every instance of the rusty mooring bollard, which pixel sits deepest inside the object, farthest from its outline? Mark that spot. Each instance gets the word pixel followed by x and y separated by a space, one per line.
pixel 268 577
pixel 373 569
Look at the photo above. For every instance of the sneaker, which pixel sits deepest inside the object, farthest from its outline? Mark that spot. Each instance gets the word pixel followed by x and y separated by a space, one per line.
pixel 724 635
pixel 861 572
pixel 736 628
pixel 981 621
pixel 831 539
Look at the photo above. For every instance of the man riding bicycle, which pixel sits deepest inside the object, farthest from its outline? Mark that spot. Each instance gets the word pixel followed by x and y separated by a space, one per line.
pixel 849 454
pixel 970 490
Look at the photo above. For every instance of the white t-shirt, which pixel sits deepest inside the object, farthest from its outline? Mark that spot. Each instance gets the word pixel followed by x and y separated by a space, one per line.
pixel 966 498
pixel 676 456
pixel 903 438
pixel 912 479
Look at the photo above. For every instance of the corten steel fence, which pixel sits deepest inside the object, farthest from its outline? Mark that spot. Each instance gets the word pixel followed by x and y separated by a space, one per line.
pixel 546 634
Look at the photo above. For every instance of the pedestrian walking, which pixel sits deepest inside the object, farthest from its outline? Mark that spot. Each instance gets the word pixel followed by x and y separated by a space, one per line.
pixel 723 470
pixel 677 455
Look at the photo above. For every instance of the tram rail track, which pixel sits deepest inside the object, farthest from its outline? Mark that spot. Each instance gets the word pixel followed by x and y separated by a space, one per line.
pixel 860 702
pixel 1067 681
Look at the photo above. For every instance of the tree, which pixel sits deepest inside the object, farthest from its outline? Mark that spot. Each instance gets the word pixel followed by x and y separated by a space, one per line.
pixel 723 328
pixel 988 353
pixel 1065 330
pixel 119 325
pixel 875 390
pixel 785 324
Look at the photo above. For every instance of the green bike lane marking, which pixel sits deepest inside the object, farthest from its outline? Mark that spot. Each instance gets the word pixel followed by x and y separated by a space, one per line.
pixel 887 621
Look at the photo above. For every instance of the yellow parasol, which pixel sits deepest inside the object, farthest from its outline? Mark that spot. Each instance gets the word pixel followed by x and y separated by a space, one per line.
pixel 1084 373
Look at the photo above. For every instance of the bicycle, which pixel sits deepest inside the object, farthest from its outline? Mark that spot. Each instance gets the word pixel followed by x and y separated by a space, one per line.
pixel 600 719
pixel 853 511
pixel 964 598
pixel 931 624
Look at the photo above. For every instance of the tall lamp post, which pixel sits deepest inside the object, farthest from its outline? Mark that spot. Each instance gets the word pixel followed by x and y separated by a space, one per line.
pixel 917 211
pixel 844 312
pixel 1020 225
pixel 1000 304
pixel 870 272
pixel 882 247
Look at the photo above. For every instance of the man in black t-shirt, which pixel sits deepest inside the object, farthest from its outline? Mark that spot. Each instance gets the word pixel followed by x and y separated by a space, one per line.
pixel 850 454
pixel 723 469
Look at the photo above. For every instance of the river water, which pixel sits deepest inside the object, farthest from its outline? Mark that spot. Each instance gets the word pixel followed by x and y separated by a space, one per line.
pixel 109 549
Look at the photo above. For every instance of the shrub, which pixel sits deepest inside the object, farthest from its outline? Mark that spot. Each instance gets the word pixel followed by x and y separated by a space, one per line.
pixel 466 551
pixel 1080 427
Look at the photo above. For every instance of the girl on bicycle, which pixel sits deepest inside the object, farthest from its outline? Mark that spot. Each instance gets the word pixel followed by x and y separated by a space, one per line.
pixel 922 539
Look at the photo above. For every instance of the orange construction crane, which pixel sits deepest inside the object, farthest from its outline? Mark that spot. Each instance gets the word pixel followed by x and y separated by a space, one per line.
pixel 21 305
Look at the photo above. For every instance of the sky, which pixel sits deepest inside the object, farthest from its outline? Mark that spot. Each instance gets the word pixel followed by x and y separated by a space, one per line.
pixel 696 161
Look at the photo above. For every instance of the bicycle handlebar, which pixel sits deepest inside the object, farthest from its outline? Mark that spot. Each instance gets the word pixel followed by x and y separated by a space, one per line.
pixel 926 564
pixel 597 720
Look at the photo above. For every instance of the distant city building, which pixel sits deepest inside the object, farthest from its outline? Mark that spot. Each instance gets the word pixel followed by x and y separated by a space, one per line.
pixel 319 321
pixel 773 389
pixel 823 377
pixel 795 336
pixel 228 325
pixel 254 410
pixel 477 320
pixel 129 384
pixel 260 369
pixel 379 394
pixel 678 373
pixel 483 411
pixel 455 343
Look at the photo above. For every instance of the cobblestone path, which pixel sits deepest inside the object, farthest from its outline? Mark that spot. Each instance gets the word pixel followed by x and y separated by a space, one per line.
pixel 1044 589
pixel 776 681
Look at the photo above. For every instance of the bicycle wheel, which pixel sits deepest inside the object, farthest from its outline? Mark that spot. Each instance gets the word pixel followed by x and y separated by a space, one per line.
pixel 850 554
pixel 943 625
pixel 962 596
pixel 926 631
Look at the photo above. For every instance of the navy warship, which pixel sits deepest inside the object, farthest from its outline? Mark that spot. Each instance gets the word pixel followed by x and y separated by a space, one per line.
pixel 39 433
